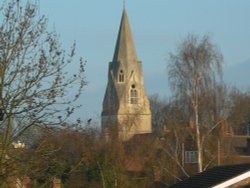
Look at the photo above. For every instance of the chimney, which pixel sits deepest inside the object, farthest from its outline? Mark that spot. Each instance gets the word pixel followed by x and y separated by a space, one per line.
pixel 248 146
pixel 26 182
pixel 56 183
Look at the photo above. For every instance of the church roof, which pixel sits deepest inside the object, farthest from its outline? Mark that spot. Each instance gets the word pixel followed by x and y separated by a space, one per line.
pixel 125 48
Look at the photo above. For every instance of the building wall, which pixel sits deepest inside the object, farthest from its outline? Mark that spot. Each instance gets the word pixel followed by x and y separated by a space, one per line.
pixel 126 126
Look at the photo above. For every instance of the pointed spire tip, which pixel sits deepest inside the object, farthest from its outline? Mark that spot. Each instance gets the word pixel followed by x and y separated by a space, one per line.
pixel 124 48
pixel 124 4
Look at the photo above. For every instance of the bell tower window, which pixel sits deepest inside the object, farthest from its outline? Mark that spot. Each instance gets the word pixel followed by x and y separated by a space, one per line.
pixel 121 76
pixel 133 95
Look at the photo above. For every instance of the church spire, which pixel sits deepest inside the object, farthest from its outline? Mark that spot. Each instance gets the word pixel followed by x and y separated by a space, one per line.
pixel 125 97
pixel 124 4
pixel 125 49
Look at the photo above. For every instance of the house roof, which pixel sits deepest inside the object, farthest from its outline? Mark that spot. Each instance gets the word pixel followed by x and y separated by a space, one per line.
pixel 214 176
pixel 143 137
pixel 135 165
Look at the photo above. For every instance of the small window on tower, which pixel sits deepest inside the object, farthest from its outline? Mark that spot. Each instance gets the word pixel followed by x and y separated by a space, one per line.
pixel 121 76
pixel 133 95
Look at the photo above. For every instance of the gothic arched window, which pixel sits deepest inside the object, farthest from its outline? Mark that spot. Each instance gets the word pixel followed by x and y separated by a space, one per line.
pixel 133 95
pixel 121 76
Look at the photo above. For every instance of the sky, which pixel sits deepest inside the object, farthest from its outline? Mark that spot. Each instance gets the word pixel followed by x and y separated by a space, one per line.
pixel 158 26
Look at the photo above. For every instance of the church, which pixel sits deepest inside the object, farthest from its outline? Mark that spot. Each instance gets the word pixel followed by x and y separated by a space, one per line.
pixel 126 108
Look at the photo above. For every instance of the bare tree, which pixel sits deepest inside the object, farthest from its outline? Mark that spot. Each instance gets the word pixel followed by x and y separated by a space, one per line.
pixel 239 111
pixel 35 84
pixel 193 71
pixel 159 113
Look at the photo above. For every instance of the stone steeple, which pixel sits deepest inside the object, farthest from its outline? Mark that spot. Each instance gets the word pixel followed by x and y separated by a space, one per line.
pixel 125 48
pixel 126 106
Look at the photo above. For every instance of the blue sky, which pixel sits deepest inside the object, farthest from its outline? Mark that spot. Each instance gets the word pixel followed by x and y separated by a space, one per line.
pixel 158 26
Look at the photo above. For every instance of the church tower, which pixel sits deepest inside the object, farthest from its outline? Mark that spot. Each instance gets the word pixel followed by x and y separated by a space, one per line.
pixel 126 109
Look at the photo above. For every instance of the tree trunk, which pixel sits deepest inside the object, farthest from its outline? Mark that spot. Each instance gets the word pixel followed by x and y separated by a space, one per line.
pixel 197 125
pixel 198 140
